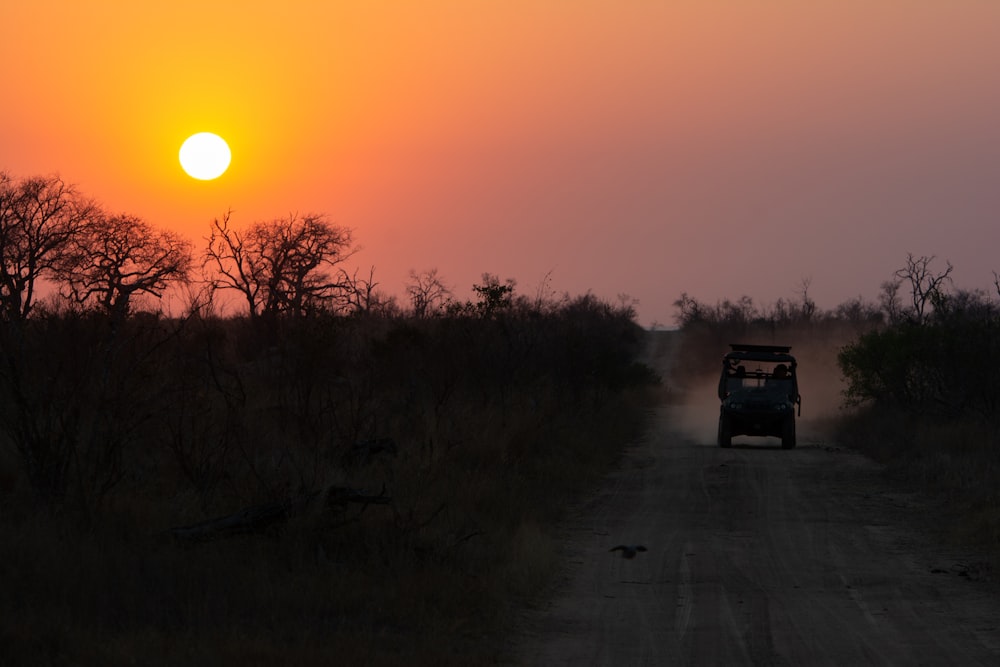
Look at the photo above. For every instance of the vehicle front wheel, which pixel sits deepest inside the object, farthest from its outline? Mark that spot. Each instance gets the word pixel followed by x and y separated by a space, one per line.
pixel 788 433
pixel 725 432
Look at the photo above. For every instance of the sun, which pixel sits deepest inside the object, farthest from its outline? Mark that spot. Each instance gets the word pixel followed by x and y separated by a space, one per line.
pixel 205 156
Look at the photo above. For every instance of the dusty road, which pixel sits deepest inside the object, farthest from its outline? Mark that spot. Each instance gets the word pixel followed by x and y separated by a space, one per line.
pixel 760 556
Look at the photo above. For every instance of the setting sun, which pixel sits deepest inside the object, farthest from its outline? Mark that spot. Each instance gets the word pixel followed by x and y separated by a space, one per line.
pixel 205 156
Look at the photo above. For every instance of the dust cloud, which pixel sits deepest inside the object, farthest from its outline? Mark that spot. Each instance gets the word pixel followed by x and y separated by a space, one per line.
pixel 691 379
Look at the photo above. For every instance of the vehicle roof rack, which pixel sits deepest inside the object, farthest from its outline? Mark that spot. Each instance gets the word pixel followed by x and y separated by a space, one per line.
pixel 743 347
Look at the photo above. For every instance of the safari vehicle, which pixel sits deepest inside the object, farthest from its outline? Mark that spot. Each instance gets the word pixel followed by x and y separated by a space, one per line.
pixel 759 391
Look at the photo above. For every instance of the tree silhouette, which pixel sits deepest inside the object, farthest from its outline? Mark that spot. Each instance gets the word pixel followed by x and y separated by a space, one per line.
pixel 926 286
pixel 428 293
pixel 281 266
pixel 494 297
pixel 114 258
pixel 39 218
pixel 362 296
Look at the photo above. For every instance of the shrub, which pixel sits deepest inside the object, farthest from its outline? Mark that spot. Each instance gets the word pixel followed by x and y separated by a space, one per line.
pixel 943 365
pixel 409 465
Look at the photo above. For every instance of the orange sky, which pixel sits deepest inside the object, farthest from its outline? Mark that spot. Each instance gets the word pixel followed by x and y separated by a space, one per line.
pixel 646 147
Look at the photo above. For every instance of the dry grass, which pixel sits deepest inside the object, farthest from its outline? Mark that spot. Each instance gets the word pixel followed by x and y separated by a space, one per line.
pixel 487 456
pixel 957 461
pixel 369 591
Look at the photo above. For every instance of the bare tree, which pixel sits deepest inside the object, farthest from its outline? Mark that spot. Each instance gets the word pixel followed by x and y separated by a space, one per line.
pixel 362 296
pixel 117 257
pixel 808 308
pixel 39 218
pixel 690 311
pixel 428 293
pixel 926 287
pixel 281 266
pixel 235 267
pixel 889 300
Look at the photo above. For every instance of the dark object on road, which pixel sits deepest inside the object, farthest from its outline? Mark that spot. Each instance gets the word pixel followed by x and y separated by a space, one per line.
pixel 759 390
pixel 628 550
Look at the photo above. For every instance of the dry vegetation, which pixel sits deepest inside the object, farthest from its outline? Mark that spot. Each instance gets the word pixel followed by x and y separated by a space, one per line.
pixel 401 477
pixel 330 477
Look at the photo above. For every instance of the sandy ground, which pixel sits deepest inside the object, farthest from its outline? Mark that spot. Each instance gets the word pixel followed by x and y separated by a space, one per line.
pixel 760 556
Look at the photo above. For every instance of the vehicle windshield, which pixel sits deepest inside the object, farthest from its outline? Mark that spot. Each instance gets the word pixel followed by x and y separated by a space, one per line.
pixel 749 374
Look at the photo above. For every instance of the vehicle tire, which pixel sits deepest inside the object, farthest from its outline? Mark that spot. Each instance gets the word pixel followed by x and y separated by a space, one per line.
pixel 788 433
pixel 725 432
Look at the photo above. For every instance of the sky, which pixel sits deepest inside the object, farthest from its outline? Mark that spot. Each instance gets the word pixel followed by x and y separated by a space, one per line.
pixel 644 147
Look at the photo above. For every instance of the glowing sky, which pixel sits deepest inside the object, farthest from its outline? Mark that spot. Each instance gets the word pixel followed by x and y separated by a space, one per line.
pixel 648 147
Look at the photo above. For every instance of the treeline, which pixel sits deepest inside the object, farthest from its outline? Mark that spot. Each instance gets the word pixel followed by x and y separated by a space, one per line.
pixel 922 346
pixel 87 399
pixel 327 473
pixel 51 235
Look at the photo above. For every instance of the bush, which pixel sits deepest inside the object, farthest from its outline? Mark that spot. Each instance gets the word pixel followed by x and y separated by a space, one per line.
pixel 944 365
pixel 462 439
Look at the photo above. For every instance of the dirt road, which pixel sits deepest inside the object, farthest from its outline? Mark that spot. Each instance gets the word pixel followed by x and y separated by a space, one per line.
pixel 760 556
